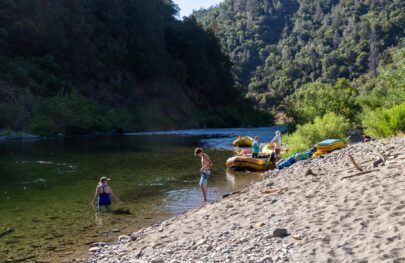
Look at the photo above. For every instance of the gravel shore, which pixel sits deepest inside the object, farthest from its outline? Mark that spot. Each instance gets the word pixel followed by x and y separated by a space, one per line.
pixel 14 136
pixel 318 210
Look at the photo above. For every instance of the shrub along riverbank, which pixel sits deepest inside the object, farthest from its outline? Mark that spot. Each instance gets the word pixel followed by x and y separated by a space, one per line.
pixel 374 105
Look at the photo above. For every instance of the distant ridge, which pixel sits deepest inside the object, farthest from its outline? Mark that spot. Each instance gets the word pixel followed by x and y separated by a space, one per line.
pixel 278 45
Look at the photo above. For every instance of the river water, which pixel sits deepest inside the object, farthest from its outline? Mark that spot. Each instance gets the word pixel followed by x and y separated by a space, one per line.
pixel 46 186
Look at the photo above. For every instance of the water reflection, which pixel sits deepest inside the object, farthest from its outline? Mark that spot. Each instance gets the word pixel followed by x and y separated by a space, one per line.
pixel 47 186
pixel 240 179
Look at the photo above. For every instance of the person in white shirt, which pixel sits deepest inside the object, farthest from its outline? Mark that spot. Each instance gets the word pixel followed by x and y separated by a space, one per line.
pixel 277 148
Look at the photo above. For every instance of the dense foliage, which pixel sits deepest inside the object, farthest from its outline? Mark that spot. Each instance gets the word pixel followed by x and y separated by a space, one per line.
pixel 387 89
pixel 329 64
pixel 331 125
pixel 383 122
pixel 353 99
pixel 316 99
pixel 279 45
pixel 77 66
pixel 377 105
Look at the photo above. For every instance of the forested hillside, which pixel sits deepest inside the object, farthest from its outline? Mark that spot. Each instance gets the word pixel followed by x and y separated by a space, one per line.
pixel 279 45
pixel 73 67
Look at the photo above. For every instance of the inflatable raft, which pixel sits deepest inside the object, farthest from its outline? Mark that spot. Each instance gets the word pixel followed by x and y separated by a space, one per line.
pixel 268 149
pixel 328 146
pixel 243 141
pixel 249 163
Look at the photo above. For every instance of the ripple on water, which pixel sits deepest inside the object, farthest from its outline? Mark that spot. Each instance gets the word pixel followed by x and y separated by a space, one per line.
pixel 54 212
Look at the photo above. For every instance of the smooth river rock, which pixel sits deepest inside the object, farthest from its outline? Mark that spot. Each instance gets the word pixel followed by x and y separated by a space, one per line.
pixel 280 232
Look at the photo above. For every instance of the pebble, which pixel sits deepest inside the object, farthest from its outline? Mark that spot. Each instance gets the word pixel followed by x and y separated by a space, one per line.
pixel 94 249
pixel 201 242
pixel 260 224
pixel 243 239
pixel 98 244
pixel 280 232
pixel 157 260
pixel 124 238
pixel 241 228
pixel 297 236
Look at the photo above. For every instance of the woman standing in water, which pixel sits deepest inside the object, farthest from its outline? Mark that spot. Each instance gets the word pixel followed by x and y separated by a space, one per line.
pixel 104 193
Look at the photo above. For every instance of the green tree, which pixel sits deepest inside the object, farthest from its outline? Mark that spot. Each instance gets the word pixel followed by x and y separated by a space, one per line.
pixel 74 66
pixel 316 99
pixel 287 43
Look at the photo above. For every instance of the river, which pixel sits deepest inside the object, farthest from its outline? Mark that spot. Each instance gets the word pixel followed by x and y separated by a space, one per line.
pixel 47 185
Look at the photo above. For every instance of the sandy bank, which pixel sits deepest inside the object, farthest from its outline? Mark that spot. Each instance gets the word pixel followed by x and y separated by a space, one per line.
pixel 328 218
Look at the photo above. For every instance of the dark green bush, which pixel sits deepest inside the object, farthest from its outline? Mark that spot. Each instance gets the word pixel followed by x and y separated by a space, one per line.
pixel 74 114
pixel 17 113
pixel 43 126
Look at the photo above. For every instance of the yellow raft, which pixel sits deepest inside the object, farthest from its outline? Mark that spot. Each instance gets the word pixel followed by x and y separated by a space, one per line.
pixel 268 149
pixel 249 163
pixel 243 141
pixel 328 146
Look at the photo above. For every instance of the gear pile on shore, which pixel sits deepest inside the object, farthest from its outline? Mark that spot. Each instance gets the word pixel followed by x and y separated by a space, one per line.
pixel 346 207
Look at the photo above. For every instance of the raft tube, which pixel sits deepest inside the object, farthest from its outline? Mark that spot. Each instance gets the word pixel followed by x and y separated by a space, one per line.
pixel 328 146
pixel 250 164
pixel 243 141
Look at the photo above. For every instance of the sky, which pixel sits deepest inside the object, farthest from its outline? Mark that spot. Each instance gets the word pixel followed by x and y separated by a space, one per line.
pixel 187 6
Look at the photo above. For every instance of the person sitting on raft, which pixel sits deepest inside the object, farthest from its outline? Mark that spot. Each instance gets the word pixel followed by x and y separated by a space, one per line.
pixel 277 148
pixel 255 147
pixel 103 192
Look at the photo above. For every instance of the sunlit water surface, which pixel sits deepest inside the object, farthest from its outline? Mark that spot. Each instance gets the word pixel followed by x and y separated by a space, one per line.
pixel 47 185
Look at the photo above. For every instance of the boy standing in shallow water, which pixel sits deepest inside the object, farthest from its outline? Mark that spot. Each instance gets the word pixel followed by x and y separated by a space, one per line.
pixel 206 164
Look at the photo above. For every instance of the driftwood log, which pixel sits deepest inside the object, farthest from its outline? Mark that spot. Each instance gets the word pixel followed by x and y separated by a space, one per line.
pixel 355 164
pixel 357 174
pixel 275 191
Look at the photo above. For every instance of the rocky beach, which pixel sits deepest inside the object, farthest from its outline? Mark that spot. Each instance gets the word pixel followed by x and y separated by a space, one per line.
pixel 10 136
pixel 347 206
